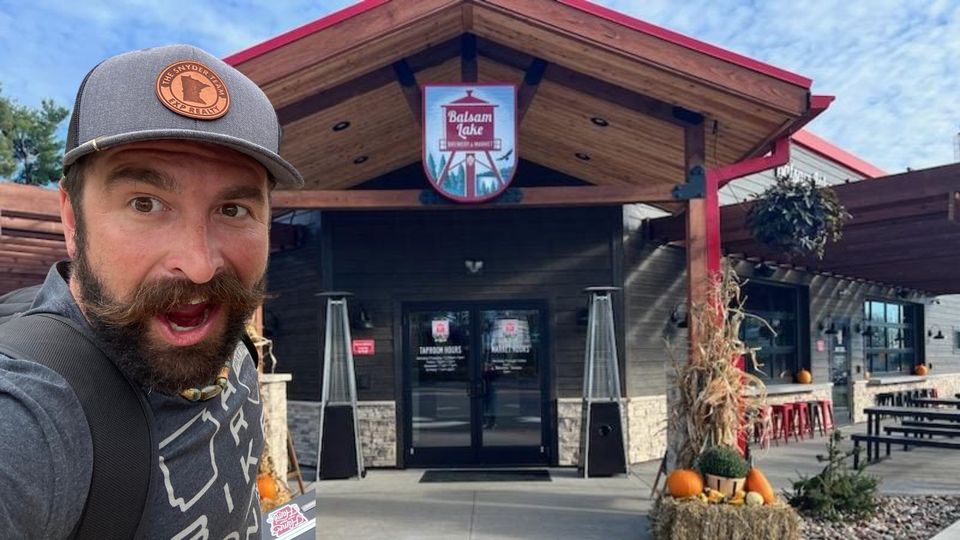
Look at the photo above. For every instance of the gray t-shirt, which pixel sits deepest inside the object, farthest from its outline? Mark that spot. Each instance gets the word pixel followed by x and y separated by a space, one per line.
pixel 209 451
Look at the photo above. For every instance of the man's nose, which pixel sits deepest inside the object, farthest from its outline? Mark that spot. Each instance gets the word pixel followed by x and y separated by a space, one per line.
pixel 196 254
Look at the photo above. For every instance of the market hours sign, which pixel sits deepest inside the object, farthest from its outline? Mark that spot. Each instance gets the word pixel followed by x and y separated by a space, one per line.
pixel 470 139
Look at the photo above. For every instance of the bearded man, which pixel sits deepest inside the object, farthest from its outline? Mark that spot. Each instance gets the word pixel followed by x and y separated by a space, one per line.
pixel 171 155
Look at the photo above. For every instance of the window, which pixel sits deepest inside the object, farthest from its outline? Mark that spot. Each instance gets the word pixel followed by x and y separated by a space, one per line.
pixel 890 342
pixel 784 307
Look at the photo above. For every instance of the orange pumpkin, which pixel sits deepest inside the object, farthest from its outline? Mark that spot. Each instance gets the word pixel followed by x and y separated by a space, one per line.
pixel 266 486
pixel 757 481
pixel 921 369
pixel 684 483
pixel 804 377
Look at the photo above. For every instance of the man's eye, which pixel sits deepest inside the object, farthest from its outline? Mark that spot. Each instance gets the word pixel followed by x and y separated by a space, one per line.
pixel 146 205
pixel 233 210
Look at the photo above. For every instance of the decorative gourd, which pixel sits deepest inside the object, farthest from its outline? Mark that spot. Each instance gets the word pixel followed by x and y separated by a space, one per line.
pixel 757 481
pixel 754 499
pixel 683 483
pixel 266 486
pixel 804 377
pixel 921 369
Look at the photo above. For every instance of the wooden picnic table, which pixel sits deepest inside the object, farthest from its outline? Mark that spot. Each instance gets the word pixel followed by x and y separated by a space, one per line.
pixel 875 414
pixel 927 401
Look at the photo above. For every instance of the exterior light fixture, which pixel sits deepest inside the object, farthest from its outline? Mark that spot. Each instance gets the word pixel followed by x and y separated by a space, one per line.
pixel 582 156
pixel 474 266
pixel 360 159
pixel 938 335
pixel 601 122
pixel 341 125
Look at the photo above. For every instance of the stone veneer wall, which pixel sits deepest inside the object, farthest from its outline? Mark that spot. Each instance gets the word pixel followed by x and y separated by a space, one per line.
pixel 798 392
pixel 864 394
pixel 646 421
pixel 378 433
pixel 273 391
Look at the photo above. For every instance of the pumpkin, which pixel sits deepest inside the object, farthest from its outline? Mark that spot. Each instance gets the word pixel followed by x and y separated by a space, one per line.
pixel 921 369
pixel 804 377
pixel 266 486
pixel 683 483
pixel 757 481
pixel 754 499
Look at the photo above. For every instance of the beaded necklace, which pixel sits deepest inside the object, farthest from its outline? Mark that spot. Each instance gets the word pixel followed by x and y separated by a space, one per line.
pixel 211 390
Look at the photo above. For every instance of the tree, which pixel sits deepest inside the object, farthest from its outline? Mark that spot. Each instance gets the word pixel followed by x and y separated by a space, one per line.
pixel 30 152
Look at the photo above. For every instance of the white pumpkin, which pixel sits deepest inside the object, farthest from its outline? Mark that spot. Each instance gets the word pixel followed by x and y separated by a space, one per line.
pixel 754 499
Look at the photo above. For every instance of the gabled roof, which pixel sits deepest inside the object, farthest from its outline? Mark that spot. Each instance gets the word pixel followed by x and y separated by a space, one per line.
pixel 574 62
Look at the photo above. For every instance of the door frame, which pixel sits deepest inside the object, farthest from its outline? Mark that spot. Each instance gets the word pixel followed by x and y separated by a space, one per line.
pixel 405 411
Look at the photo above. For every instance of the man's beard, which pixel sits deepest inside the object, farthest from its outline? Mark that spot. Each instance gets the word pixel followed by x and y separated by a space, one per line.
pixel 124 326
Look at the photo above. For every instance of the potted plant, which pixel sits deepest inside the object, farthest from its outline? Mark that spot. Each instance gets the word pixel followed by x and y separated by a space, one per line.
pixel 795 216
pixel 724 469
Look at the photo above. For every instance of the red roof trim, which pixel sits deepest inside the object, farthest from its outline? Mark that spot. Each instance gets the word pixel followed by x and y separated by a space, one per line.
pixel 835 153
pixel 689 42
pixel 302 31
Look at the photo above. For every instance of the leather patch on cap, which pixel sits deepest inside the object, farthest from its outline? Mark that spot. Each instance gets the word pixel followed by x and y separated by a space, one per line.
pixel 191 89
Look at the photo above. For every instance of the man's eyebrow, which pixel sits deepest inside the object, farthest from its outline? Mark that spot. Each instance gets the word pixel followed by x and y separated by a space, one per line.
pixel 156 178
pixel 248 193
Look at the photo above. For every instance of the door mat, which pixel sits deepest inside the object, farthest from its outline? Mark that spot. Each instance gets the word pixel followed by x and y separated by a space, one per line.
pixel 481 475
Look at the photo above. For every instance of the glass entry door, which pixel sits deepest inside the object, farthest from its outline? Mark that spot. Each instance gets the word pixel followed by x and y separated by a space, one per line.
pixel 476 392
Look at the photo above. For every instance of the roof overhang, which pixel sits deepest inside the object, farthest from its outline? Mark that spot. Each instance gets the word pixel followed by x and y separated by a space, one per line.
pixel 572 60
pixel 904 232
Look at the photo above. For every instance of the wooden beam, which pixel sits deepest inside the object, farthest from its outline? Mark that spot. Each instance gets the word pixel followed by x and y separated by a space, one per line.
pixel 412 199
pixel 33 199
pixel 531 82
pixel 410 88
pixel 468 58
pixel 698 274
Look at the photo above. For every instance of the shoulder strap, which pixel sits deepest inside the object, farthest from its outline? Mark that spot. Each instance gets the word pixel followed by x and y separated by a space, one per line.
pixel 121 422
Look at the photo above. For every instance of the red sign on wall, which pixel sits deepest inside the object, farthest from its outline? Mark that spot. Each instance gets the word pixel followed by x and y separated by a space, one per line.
pixel 363 347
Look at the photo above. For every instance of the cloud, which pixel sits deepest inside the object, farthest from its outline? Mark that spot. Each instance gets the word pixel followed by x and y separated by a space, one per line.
pixel 891 63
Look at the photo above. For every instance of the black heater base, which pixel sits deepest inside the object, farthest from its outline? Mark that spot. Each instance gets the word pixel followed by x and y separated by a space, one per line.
pixel 338 450
pixel 605 452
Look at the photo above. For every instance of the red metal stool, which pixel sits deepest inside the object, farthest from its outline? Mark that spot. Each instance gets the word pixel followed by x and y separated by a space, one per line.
pixel 816 421
pixel 784 421
pixel 803 418
pixel 826 413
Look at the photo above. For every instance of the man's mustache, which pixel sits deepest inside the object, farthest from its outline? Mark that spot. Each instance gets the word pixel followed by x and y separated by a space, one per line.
pixel 161 296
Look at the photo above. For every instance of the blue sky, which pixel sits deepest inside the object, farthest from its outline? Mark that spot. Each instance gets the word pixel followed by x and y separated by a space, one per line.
pixel 893 65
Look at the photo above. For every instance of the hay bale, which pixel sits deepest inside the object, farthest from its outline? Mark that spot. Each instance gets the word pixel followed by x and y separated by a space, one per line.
pixel 673 519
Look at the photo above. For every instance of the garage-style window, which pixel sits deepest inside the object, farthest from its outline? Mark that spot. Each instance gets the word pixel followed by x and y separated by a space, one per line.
pixel 890 341
pixel 783 350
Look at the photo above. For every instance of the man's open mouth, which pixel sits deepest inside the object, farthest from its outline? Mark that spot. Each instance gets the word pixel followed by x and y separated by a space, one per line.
pixel 188 324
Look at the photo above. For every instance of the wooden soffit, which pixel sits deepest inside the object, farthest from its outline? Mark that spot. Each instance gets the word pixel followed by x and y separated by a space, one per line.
pixel 904 231
pixel 31 236
pixel 589 63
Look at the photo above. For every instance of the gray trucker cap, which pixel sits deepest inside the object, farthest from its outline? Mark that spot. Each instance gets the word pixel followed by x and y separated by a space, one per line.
pixel 175 92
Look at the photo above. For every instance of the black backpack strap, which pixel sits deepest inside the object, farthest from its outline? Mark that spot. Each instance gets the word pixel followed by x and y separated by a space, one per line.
pixel 125 451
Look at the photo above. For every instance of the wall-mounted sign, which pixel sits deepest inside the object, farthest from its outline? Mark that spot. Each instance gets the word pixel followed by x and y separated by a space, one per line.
pixel 470 139
pixel 364 347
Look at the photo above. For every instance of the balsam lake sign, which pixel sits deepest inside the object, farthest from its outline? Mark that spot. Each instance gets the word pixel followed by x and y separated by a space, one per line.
pixel 470 139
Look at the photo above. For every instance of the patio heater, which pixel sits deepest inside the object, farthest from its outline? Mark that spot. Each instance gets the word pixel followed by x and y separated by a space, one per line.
pixel 339 452
pixel 602 441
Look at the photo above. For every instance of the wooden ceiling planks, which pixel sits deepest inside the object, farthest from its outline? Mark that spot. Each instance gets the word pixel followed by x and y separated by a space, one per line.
pixel 31 236
pixel 341 72
pixel 354 47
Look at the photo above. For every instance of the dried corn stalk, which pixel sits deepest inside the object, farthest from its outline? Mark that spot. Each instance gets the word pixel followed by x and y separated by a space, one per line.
pixel 714 400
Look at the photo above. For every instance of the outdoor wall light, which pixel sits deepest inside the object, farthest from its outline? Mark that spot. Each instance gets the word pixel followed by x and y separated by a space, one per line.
pixel 474 266
pixel 342 125
pixel 825 328
pixel 764 270
pixel 363 321
pixel 938 335
pixel 679 315
pixel 598 121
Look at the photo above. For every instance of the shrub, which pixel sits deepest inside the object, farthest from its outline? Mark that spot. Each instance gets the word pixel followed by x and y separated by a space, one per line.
pixel 837 493
pixel 723 461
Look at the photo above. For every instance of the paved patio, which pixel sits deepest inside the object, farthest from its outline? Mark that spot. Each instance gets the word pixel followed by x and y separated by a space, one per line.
pixel 392 504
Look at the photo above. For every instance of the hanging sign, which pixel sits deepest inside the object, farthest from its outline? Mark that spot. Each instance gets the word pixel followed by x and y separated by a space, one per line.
pixel 470 139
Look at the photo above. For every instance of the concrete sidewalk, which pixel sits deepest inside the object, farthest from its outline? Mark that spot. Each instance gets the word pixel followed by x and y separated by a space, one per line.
pixel 392 504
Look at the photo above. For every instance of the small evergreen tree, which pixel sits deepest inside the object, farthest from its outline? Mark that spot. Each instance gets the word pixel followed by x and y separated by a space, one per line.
pixel 837 493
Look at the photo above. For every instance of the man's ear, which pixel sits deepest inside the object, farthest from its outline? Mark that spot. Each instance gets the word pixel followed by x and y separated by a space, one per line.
pixel 69 220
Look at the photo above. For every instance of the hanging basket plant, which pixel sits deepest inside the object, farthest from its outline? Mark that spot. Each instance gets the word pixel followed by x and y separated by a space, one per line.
pixel 797 217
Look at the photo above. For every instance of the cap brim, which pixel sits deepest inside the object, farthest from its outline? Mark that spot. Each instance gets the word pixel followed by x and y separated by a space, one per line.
pixel 278 168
